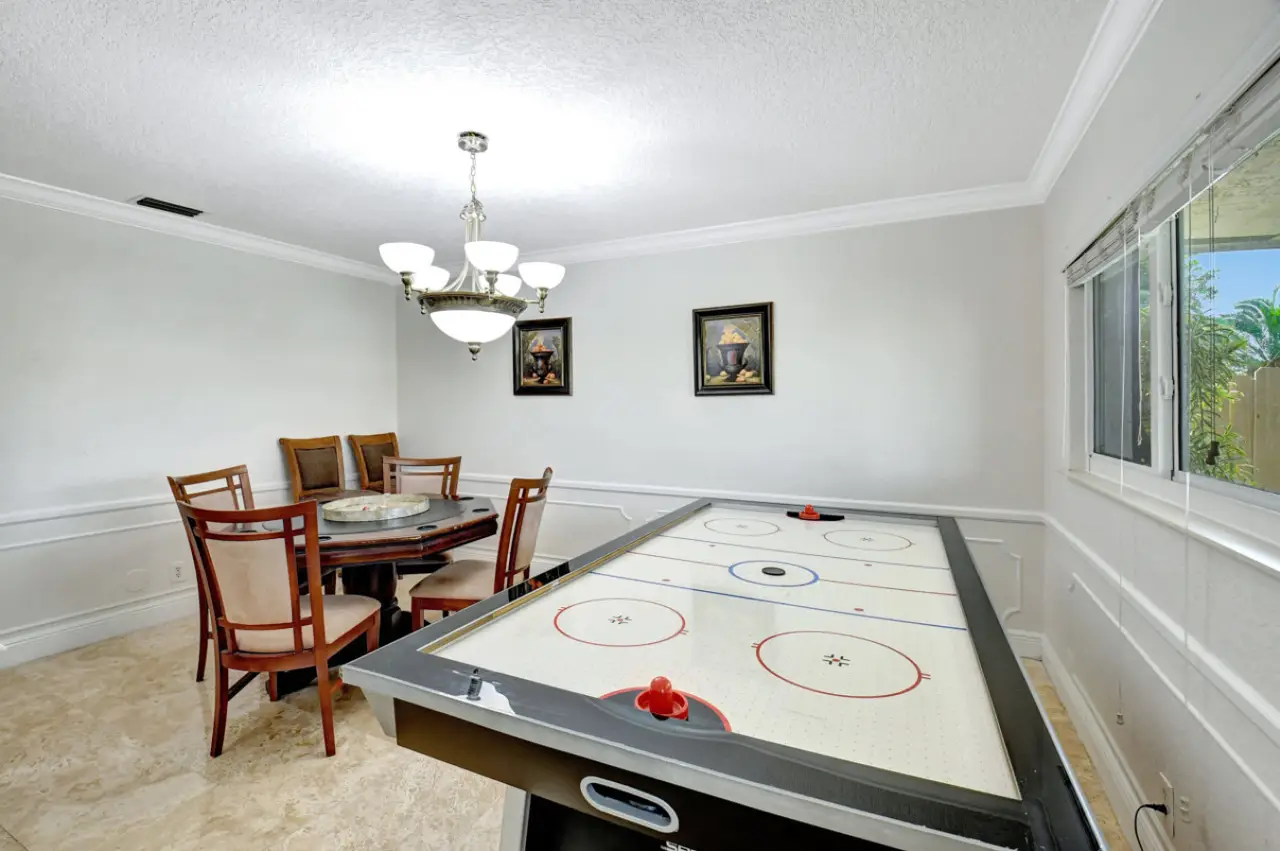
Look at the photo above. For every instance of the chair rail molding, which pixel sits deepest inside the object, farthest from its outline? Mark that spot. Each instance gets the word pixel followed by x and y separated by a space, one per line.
pixel 1008 515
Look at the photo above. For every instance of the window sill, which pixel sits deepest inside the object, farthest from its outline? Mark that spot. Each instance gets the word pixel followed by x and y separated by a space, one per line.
pixel 1217 526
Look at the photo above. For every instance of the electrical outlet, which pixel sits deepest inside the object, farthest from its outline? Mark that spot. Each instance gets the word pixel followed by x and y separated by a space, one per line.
pixel 1170 818
pixel 178 572
pixel 1184 809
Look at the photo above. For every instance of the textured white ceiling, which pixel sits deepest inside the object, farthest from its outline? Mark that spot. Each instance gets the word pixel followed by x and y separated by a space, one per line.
pixel 331 123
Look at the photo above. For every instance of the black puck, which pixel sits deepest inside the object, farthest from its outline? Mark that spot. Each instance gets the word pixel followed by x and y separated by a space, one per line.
pixel 773 571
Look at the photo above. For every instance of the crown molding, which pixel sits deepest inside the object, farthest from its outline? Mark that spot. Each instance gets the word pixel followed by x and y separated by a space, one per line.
pixel 1119 30
pixel 79 203
pixel 1121 26
pixel 871 213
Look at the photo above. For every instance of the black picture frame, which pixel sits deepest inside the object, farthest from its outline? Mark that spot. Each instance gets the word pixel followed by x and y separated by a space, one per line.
pixel 708 380
pixel 524 365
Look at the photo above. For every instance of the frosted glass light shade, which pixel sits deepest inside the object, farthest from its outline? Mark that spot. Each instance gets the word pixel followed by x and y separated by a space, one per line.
pixel 406 256
pixel 430 279
pixel 491 256
pixel 472 326
pixel 540 275
pixel 508 284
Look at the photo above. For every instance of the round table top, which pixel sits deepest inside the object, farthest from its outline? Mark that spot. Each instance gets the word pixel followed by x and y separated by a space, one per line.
pixel 442 514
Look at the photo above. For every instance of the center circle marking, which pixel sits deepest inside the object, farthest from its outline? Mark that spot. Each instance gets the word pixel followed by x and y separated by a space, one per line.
pixel 619 622
pixel 867 539
pixel 745 527
pixel 860 669
pixel 753 572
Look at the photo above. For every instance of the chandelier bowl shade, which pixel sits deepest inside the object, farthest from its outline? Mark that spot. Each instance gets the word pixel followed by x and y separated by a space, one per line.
pixel 541 275
pixel 401 257
pixel 430 279
pixel 508 285
pixel 490 256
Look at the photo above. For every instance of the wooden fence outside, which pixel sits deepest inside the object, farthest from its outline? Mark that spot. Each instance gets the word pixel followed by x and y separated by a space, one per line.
pixel 1255 413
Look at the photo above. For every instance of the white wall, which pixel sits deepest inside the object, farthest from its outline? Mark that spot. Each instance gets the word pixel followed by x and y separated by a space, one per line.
pixel 130 355
pixel 907 363
pixel 894 374
pixel 1140 618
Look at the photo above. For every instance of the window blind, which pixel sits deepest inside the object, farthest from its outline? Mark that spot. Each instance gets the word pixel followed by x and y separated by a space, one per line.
pixel 1233 134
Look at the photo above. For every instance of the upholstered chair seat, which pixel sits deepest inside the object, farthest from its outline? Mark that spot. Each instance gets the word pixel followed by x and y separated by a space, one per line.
pixel 468 581
pixel 342 613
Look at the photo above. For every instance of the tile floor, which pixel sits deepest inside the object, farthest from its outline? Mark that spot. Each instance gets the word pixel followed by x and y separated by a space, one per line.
pixel 106 747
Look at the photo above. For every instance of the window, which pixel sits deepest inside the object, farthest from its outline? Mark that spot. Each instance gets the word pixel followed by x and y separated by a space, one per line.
pixel 1229 284
pixel 1121 360
pixel 1174 321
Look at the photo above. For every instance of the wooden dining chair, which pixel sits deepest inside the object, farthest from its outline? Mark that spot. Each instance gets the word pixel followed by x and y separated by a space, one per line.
pixel 225 489
pixel 369 450
pixel 315 466
pixel 265 620
pixel 469 581
pixel 430 476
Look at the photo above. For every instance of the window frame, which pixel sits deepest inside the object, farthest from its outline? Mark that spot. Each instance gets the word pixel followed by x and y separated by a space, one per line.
pixel 1162 377
pixel 1164 478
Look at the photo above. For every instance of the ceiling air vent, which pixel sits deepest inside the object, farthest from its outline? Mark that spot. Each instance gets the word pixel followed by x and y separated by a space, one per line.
pixel 168 207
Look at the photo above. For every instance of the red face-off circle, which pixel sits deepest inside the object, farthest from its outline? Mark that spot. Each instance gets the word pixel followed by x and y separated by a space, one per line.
pixel 619 622
pixel 838 665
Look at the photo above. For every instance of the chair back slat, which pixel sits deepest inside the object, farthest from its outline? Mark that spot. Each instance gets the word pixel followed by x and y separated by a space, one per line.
pixel 228 488
pixel 315 465
pixel 518 539
pixel 252 577
pixel 422 475
pixel 369 450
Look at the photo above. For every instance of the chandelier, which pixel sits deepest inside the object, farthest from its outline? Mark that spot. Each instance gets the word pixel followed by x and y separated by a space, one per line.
pixel 482 302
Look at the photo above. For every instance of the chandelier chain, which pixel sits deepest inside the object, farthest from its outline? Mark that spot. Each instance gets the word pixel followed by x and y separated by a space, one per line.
pixel 473 176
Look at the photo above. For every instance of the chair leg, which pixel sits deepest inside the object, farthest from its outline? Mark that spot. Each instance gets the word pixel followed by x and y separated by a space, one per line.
pixel 273 687
pixel 371 637
pixel 220 700
pixel 330 583
pixel 326 703
pixel 204 634
pixel 417 615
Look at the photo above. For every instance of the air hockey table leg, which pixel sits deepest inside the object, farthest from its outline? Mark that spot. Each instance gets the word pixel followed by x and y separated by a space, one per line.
pixel 515 809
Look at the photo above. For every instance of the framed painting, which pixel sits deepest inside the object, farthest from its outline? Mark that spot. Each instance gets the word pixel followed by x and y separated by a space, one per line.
pixel 543 357
pixel 733 350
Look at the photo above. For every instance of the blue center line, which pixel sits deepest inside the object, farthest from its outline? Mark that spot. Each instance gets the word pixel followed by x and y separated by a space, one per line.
pixel 778 602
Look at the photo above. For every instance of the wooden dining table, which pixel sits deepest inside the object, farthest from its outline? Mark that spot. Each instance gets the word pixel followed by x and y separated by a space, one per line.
pixel 365 554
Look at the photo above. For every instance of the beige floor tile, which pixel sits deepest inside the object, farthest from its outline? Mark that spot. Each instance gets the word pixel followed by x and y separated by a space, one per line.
pixel 1081 763
pixel 106 747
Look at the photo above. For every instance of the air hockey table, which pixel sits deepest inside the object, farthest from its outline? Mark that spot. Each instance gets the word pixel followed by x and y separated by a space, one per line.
pixel 730 676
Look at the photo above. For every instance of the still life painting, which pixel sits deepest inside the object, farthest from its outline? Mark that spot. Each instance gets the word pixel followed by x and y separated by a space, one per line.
pixel 733 349
pixel 543 357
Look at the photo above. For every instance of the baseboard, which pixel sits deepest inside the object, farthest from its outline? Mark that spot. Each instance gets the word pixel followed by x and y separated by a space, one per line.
pixel 59 635
pixel 1117 778
pixel 1026 645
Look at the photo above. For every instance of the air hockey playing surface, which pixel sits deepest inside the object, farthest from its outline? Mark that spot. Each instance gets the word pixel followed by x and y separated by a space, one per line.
pixel 839 647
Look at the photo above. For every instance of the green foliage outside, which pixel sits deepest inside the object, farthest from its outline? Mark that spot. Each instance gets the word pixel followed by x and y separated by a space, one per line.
pixel 1221 348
